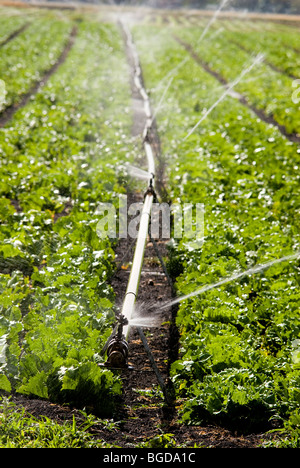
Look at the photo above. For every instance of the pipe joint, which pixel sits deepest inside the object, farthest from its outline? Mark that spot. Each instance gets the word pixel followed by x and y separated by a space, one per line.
pixel 150 191
pixel 117 348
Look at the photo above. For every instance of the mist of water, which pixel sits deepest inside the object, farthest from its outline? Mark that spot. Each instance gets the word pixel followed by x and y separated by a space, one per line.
pixel 174 70
pixel 216 33
pixel 213 19
pixel 137 173
pixel 161 100
pixel 142 318
pixel 251 271
pixel 228 91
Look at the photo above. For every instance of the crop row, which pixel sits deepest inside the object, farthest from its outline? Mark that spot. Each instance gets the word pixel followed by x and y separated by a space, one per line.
pixel 269 37
pixel 59 158
pixel 285 59
pixel 24 60
pixel 9 25
pixel 239 356
pixel 278 51
pixel 266 88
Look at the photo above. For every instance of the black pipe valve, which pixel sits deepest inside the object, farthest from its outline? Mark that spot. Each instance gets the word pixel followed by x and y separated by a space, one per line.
pixel 117 348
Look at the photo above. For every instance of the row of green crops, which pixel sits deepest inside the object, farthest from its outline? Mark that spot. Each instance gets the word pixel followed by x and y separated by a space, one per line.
pixel 280 49
pixel 266 88
pixel 10 24
pixel 239 362
pixel 58 162
pixel 25 59
pixel 285 59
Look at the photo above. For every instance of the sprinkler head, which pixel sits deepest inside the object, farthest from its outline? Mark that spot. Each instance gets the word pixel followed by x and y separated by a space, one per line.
pixel 117 347
pixel 150 190
pixel 117 353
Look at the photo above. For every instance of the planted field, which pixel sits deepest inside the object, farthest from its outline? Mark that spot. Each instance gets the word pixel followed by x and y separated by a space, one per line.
pixel 57 305
pixel 239 342
pixel 226 107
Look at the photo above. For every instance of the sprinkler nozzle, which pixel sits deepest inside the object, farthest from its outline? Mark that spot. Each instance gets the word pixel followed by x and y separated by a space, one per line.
pixel 150 190
pixel 117 347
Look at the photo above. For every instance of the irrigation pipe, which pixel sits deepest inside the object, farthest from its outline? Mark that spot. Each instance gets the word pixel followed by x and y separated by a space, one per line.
pixel 117 346
pixel 135 274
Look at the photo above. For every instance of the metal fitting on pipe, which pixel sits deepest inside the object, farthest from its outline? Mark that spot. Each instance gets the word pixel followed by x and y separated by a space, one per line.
pixel 117 347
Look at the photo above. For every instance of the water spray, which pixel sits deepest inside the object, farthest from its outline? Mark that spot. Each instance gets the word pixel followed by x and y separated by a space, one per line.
pixel 130 315
pixel 138 173
pixel 251 271
pixel 173 72
pixel 228 91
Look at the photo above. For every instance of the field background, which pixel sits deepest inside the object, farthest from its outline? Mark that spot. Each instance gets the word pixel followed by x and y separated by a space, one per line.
pixel 68 126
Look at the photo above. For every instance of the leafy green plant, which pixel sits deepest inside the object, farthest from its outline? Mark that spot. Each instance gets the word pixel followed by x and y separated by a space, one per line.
pixel 60 155
pixel 237 365
pixel 286 437
pixel 164 440
pixel 21 430
pixel 20 70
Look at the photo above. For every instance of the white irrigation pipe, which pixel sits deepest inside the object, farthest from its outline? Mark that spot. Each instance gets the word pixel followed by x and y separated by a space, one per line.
pixel 135 274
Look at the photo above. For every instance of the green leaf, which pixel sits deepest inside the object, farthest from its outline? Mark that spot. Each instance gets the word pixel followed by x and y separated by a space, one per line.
pixel 4 383
pixel 36 385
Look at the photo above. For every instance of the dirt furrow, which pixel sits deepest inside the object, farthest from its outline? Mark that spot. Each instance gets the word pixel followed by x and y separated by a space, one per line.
pixel 14 34
pixel 144 414
pixel 153 287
